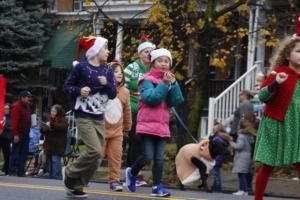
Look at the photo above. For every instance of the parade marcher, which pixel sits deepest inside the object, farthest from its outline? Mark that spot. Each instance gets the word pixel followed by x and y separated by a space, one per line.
pixel 21 123
pixel 278 139
pixel 91 84
pixel 133 72
pixel 159 90
pixel 117 123
pixel 55 140
pixel 6 139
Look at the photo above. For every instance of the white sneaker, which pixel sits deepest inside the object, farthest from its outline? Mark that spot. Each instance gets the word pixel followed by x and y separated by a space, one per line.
pixel 240 193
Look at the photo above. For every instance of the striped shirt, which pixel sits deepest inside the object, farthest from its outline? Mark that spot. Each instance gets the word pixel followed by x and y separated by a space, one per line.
pixel 133 72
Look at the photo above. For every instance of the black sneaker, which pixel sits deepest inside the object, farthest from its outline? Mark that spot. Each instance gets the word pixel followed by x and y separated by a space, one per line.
pixel 67 183
pixel 78 194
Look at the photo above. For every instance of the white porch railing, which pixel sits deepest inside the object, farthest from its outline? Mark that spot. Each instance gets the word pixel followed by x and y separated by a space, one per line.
pixel 222 107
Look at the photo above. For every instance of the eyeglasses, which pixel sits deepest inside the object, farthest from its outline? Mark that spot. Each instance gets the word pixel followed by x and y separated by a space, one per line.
pixel 147 51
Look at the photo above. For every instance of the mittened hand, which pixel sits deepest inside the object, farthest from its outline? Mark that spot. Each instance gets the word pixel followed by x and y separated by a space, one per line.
pixel 281 77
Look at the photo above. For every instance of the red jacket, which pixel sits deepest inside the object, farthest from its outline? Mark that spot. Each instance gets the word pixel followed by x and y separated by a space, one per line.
pixel 277 105
pixel 20 118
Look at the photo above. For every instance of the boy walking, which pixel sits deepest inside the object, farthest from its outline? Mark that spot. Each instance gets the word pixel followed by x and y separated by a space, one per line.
pixel 90 84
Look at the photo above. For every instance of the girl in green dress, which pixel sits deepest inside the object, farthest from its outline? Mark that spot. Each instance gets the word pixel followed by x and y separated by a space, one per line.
pixel 278 139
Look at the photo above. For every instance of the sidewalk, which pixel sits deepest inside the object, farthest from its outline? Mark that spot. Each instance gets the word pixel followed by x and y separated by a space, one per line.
pixel 276 187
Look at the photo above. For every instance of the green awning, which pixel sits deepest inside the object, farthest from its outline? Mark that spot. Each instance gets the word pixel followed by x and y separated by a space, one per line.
pixel 60 50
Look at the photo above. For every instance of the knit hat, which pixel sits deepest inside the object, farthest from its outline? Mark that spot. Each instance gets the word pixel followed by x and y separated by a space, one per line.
pixel 145 43
pixel 160 52
pixel 91 46
pixel 216 148
pixel 25 93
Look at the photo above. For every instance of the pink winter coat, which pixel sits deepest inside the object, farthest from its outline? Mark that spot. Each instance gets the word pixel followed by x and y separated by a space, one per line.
pixel 153 120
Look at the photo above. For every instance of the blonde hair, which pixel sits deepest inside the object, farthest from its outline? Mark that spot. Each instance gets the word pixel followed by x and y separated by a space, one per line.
pixel 247 127
pixel 283 51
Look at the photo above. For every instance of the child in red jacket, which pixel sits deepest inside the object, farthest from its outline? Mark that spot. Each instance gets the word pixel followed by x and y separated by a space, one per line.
pixel 278 139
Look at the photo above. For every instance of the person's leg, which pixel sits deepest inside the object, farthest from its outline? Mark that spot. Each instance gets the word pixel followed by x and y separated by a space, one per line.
pixel 83 168
pixel 23 154
pixel 158 164
pixel 146 156
pixel 6 153
pixel 243 182
pixel 14 157
pixel 114 157
pixel 157 169
pixel 56 167
pixel 217 184
pixel 262 178
pixel 134 143
pixel 249 177
pixel 49 165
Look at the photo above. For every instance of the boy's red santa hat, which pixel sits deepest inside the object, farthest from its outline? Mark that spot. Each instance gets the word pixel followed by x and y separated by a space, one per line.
pixel 91 46
pixel 160 52
pixel 145 43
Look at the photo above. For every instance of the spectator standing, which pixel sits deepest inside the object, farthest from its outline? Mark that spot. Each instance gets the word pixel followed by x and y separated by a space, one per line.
pixel 21 123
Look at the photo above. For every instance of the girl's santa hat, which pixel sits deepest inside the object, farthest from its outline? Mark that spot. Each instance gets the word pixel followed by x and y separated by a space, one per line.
pixel 91 46
pixel 145 43
pixel 160 52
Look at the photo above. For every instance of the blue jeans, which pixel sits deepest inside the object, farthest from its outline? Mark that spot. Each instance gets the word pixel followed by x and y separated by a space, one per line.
pixel 54 167
pixel 217 185
pixel 243 182
pixel 18 156
pixel 153 149
pixel 249 177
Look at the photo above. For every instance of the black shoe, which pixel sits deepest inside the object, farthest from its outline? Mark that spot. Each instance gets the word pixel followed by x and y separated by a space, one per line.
pixel 69 187
pixel 78 194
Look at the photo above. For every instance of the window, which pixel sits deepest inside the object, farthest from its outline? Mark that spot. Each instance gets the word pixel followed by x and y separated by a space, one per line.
pixel 77 6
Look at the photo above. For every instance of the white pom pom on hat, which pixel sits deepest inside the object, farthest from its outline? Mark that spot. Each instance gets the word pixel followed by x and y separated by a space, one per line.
pixel 75 62
pixel 160 52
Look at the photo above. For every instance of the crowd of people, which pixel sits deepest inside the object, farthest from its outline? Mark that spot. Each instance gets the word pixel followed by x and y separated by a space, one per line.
pixel 110 102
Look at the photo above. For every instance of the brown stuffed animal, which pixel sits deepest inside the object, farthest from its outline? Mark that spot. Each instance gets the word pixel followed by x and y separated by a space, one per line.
pixel 194 161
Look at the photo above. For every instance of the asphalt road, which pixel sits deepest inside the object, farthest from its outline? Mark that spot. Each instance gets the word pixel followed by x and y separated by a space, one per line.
pixel 16 188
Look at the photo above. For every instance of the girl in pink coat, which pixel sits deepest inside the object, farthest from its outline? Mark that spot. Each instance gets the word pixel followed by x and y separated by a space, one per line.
pixel 159 90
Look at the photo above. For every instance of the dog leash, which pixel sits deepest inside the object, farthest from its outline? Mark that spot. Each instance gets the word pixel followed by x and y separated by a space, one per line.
pixel 183 125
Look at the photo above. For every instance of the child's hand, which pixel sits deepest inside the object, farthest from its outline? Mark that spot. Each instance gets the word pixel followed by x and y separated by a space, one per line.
pixel 281 77
pixel 166 78
pixel 169 78
pixel 103 80
pixel 85 91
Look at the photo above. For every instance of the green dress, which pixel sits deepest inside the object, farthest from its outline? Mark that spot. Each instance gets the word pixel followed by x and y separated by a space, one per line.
pixel 278 143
